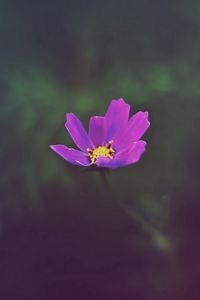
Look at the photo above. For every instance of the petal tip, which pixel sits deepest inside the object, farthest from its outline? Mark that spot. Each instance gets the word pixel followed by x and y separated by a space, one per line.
pixel 146 113
pixel 52 147
pixel 68 115
pixel 145 117
pixel 120 99
pixel 55 148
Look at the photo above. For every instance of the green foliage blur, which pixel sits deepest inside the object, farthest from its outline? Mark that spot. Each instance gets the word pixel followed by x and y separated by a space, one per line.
pixel 78 60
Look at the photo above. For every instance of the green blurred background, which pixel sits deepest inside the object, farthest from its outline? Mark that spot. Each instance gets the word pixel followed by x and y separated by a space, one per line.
pixel 130 233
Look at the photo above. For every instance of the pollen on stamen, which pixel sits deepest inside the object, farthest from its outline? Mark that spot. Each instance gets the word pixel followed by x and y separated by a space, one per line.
pixel 101 151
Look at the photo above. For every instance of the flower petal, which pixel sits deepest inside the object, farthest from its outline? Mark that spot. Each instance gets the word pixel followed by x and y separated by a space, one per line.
pixel 130 156
pixel 116 116
pixel 77 132
pixel 73 156
pixel 137 126
pixel 97 130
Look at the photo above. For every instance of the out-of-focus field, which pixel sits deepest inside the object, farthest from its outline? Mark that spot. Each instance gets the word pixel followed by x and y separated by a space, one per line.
pixel 64 233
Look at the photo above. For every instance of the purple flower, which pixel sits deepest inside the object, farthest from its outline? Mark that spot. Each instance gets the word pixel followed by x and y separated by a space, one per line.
pixel 112 140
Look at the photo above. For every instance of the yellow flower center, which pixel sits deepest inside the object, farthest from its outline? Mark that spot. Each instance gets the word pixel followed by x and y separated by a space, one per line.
pixel 101 151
